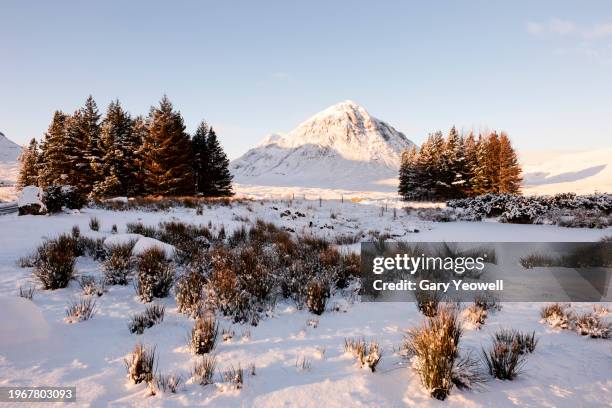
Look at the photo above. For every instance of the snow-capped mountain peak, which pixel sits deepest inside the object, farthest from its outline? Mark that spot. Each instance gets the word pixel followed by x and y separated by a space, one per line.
pixel 334 145
pixel 9 150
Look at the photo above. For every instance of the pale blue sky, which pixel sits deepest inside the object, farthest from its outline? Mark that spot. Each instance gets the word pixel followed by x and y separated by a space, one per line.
pixel 541 70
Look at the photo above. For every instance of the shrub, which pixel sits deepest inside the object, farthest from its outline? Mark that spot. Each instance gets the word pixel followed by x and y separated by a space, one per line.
pixel 504 359
pixel 114 229
pixel 57 196
pixel 434 347
pixel 81 310
pixel 168 382
pixel 189 292
pixel 155 275
pixel 151 316
pixel 557 316
pixel 486 301
pixel 537 260
pixel 54 265
pixel 118 263
pixel 591 324
pixel 91 286
pixel 317 294
pixel 475 316
pixel 204 370
pixel 365 354
pixel 427 301
pixel 140 365
pixel 526 342
pixel 27 293
pixel 204 335
pixel 140 228
pixel 93 247
pixel 234 376
pixel 94 224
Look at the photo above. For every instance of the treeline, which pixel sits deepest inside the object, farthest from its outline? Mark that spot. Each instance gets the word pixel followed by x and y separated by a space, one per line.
pixel 121 155
pixel 458 166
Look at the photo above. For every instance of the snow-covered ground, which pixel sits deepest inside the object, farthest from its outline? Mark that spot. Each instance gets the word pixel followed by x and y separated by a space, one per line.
pixel 37 347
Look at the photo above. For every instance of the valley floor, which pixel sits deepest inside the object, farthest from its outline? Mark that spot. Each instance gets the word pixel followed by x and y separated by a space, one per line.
pixel 38 347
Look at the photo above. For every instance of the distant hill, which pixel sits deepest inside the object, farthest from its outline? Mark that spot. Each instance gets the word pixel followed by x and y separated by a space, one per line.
pixel 9 166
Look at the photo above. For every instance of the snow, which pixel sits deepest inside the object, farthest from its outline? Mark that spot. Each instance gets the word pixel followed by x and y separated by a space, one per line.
pixel 145 243
pixel 121 239
pixel 566 370
pixel 338 147
pixel 23 322
pixel 9 165
pixel 31 195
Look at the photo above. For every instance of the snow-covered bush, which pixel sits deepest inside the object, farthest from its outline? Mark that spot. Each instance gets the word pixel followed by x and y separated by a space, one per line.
pixel 506 357
pixel 366 354
pixel 54 262
pixel 474 316
pixel 189 288
pixel 26 293
pixel 523 210
pixel 592 325
pixel 152 315
pixel 427 301
pixel 168 382
pixel 557 315
pixel 119 263
pixel 234 376
pixel 204 335
pixel 434 348
pixel 81 310
pixel 57 197
pixel 317 294
pixel 92 286
pixel 155 275
pixel 141 229
pixel 204 370
pixel 140 364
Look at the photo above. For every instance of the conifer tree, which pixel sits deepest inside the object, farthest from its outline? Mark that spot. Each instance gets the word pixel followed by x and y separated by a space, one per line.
pixel 220 176
pixel 453 170
pixel 408 175
pixel 92 138
pixel 167 153
pixel 139 135
pixel 471 164
pixel 28 169
pixel 76 147
pixel 117 166
pixel 509 169
pixel 201 158
pixel 53 164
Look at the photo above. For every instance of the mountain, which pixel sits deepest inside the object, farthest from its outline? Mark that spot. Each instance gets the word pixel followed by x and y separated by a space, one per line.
pixel 342 146
pixel 9 166
pixel 581 172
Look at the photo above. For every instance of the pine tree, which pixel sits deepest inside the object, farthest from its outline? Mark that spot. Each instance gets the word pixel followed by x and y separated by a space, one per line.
pixel 118 160
pixel 471 164
pixel 201 158
pixel 76 146
pixel 425 171
pixel 510 171
pixel 53 164
pixel 453 169
pixel 168 153
pixel 408 176
pixel 93 151
pixel 28 169
pixel 480 182
pixel 493 163
pixel 140 133
pixel 220 176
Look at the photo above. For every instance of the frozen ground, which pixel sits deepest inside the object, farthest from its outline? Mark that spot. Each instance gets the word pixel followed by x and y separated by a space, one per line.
pixel 38 347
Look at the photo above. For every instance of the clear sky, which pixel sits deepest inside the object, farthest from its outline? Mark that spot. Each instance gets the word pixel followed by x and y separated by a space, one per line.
pixel 541 70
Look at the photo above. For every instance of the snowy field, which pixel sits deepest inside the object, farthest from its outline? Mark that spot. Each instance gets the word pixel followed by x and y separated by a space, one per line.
pixel 37 347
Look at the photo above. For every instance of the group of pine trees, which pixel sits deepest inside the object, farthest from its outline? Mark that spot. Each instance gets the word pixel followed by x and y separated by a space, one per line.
pixel 458 166
pixel 121 155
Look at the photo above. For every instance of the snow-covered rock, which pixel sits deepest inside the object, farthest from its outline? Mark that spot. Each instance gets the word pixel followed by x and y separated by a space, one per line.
pixel 123 200
pixel 144 243
pixel 342 145
pixel 30 201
